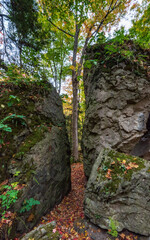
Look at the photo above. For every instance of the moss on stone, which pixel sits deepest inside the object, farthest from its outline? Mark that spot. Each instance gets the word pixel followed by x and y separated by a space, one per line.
pixel 34 122
pixel 34 137
pixel 112 53
pixel 117 167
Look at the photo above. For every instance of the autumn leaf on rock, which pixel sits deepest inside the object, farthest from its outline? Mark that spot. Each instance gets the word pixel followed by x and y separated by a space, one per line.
pixel 128 167
pixel 133 165
pixel 108 175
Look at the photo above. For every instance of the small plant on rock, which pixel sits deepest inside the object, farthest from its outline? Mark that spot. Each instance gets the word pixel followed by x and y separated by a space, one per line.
pixel 27 204
pixel 113 227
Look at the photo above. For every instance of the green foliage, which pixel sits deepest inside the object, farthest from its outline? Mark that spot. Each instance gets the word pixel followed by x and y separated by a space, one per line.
pixel 113 227
pixel 121 48
pixel 18 77
pixel 101 38
pixel 116 45
pixel 24 16
pixel 89 63
pixel 140 31
pixel 5 127
pixel 28 204
pixel 8 197
pixel 13 99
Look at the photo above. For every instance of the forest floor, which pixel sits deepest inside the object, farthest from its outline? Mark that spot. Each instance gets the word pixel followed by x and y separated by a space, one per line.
pixel 69 215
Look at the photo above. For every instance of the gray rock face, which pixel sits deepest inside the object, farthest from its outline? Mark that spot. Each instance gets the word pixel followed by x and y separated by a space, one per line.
pixel 117 109
pixel 43 232
pixel 49 175
pixel 118 191
pixel 39 154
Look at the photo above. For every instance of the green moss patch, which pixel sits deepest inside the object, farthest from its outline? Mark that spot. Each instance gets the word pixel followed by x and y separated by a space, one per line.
pixel 116 167
pixel 21 100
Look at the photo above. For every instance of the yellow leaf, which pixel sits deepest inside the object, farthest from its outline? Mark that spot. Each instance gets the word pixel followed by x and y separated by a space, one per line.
pixel 124 161
pixel 72 67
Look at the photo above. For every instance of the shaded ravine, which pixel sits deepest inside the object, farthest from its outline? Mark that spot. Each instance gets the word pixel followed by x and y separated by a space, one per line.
pixel 70 210
pixel 69 215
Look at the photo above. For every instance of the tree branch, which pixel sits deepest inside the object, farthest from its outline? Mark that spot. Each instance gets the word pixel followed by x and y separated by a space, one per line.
pixel 60 28
pixel 4 15
pixel 108 12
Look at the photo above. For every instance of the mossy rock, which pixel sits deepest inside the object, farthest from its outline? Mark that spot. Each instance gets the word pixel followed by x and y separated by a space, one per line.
pixel 36 152
pixel 43 232
pixel 26 131
pixel 118 188
pixel 117 167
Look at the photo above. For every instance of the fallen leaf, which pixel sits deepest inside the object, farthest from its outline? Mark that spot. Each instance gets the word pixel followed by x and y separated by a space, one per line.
pixel 133 165
pixel 122 235
pixel 31 217
pixel 113 163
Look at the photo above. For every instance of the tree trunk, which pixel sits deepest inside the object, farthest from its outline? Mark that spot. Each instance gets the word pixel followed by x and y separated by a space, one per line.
pixel 75 118
pixel 75 98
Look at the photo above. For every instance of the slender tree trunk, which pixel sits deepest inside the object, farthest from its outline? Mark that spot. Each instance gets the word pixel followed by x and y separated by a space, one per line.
pixel 20 56
pixel 75 118
pixel 60 78
pixel 75 98
pixel 55 77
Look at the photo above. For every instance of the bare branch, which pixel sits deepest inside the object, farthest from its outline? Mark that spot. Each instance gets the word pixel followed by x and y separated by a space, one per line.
pixel 60 28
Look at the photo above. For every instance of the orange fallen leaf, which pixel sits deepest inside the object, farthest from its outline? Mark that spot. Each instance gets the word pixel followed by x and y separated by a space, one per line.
pixel 108 176
pixel 31 217
pixel 122 235
pixel 129 238
pixel 113 163
pixel 128 167
pixel 4 182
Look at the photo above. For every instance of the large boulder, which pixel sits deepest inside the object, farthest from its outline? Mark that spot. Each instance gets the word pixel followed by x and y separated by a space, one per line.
pixel 117 103
pixel 118 192
pixel 35 156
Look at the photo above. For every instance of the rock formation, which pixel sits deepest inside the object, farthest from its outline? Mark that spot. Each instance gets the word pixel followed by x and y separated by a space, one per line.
pixel 117 91
pixel 36 154
pixel 118 191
